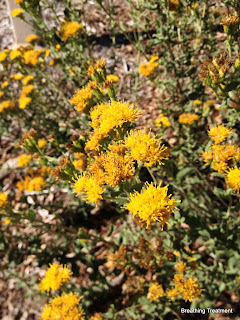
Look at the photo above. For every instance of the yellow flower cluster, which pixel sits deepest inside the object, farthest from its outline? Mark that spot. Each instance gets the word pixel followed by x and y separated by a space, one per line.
pixel 83 96
pixel 8 104
pixel 112 78
pixel 96 316
pixel 163 121
pixel 14 54
pixel 219 133
pixel 32 38
pixel 31 56
pixel 4 84
pixel 16 76
pixel 70 29
pixel 187 288
pixel 24 100
pixel 64 307
pixel 80 163
pixel 29 184
pixel 3 55
pixel 24 159
pixel 42 143
pixel 153 204
pixel 145 148
pixel 1 94
pixel 155 291
pixel 17 12
pixel 98 67
pixel 107 118
pixel 146 69
pixel 3 199
pixel 89 187
pixel 55 276
pixel 233 179
pixel 188 118
pixel 27 79
pixel 113 166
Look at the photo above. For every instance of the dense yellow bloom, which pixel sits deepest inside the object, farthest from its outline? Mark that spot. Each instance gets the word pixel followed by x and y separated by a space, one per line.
pixel 55 276
pixel 162 121
pixel 197 102
pixel 70 29
pixel 31 56
pixel 145 148
pixel 146 69
pixel 16 76
pixel 172 293
pixel 191 289
pixel 4 84
pixel 42 143
pixel 29 184
pixel 14 54
pixel 233 179
pixel 89 188
pixel 107 118
pixel 18 1
pixel 155 292
pixel 96 316
pixel 99 65
pixel 1 94
pixel 27 79
pixel 17 12
pixel 64 307
pixel 178 281
pixel 24 159
pixel 6 221
pixel 113 166
pixel 112 78
pixel 188 118
pixel 8 104
pixel 219 133
pixel 229 20
pixel 3 199
pixel 181 267
pixel 82 97
pixel 3 55
pixel 79 164
pixel 153 204
pixel 31 38
pixel 24 101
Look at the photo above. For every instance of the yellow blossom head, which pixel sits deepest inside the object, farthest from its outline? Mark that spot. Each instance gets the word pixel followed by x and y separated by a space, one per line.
pixel 153 204
pixel 24 159
pixel 14 54
pixel 32 38
pixel 188 118
pixel 27 79
pixel 42 143
pixel 3 199
pixel 233 179
pixel 70 29
pixel 155 292
pixel 219 133
pixel 4 84
pixel 17 12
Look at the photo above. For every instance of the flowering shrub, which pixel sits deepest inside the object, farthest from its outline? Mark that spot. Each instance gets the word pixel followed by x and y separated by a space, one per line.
pixel 122 173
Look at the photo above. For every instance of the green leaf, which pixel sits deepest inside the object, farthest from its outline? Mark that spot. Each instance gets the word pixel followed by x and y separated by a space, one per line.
pixel 183 173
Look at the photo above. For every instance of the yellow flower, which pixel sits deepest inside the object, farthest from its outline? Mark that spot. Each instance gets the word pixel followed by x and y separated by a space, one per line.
pixel 16 76
pixel 24 101
pixel 79 164
pixel 24 159
pixel 146 69
pixel 178 281
pixel 58 47
pixel 42 143
pixel 144 148
pixel 18 1
pixel 8 104
pixel 96 316
pixel 64 307
pixel 6 221
pixel 55 276
pixel 233 179
pixel 163 121
pixel 31 38
pixel 177 253
pixel 31 56
pixel 219 133
pixel 188 118
pixel 191 289
pixel 112 77
pixel 155 292
pixel 29 184
pixel 153 204
pixel 82 97
pixel 229 20
pixel 14 54
pixel 4 85
pixel 3 55
pixel 153 59
pixel 27 79
pixel 47 53
pixel 3 199
pixel 70 29
pixel 98 67
pixel 172 293
pixel 89 187
pixel 181 267
pixel 1 94
pixel 17 12
pixel 106 118
pixel 197 102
